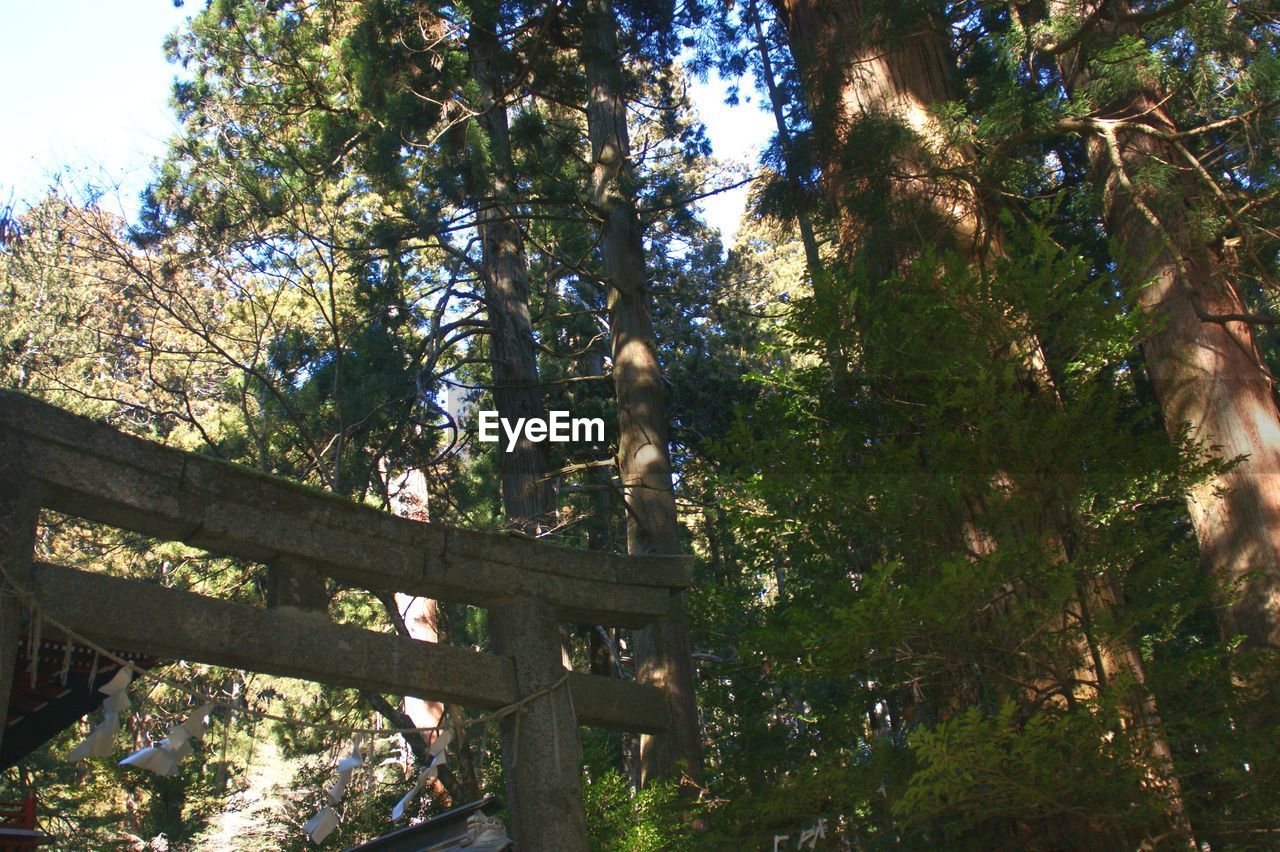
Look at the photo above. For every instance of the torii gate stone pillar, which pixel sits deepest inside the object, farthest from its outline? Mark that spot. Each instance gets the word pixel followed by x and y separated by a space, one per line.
pixel 19 512
pixel 91 471
pixel 541 751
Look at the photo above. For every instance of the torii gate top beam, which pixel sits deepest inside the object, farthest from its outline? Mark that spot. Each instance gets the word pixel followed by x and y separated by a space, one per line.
pixel 51 458
pixel 94 472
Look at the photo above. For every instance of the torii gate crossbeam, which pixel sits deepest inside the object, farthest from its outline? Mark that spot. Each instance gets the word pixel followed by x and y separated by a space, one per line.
pixel 52 459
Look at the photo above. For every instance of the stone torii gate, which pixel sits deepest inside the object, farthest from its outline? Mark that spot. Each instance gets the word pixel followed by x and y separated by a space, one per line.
pixel 50 458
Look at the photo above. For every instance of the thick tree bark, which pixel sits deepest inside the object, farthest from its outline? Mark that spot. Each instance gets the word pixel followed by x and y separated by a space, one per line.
pixel 19 516
pixel 859 73
pixel 662 650
pixel 778 105
pixel 1208 376
pixel 541 751
pixel 856 70
pixel 528 497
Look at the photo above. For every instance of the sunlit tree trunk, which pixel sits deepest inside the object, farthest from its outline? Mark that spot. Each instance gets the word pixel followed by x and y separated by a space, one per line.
pixel 1206 370
pixel 778 106
pixel 854 73
pixel 662 650
pixel 419 618
pixel 528 498
pixel 859 73
pixel 521 629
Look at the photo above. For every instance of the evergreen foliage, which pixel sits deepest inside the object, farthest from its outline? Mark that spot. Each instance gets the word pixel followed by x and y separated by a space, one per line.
pixel 949 593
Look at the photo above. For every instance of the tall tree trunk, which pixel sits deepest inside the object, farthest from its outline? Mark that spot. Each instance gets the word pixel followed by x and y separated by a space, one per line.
pixel 1207 374
pixel 528 498
pixel 856 68
pixel 419 618
pixel 662 650
pixel 544 786
pixel 858 71
pixel 778 105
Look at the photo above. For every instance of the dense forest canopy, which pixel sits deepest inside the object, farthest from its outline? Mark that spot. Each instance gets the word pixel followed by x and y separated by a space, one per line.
pixel 973 432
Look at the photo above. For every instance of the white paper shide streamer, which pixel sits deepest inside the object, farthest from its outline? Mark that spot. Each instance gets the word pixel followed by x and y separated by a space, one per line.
pixel 346 767
pixel 423 777
pixel 101 742
pixel 321 825
pixel 325 821
pixel 438 758
pixel 163 757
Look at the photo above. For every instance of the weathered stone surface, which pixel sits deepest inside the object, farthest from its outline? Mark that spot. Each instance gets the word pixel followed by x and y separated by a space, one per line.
pixel 19 511
pixel 147 618
pixel 100 474
pixel 289 642
pixel 619 705
pixel 293 583
pixel 97 473
pixel 541 753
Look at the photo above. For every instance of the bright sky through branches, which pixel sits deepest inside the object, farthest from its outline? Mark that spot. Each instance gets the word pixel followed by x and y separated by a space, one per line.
pixel 87 96
pixel 86 92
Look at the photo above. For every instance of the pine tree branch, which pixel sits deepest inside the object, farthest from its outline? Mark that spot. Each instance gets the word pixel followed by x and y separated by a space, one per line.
pixel 1252 319
pixel 681 203
pixel 1103 12
pixel 577 468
